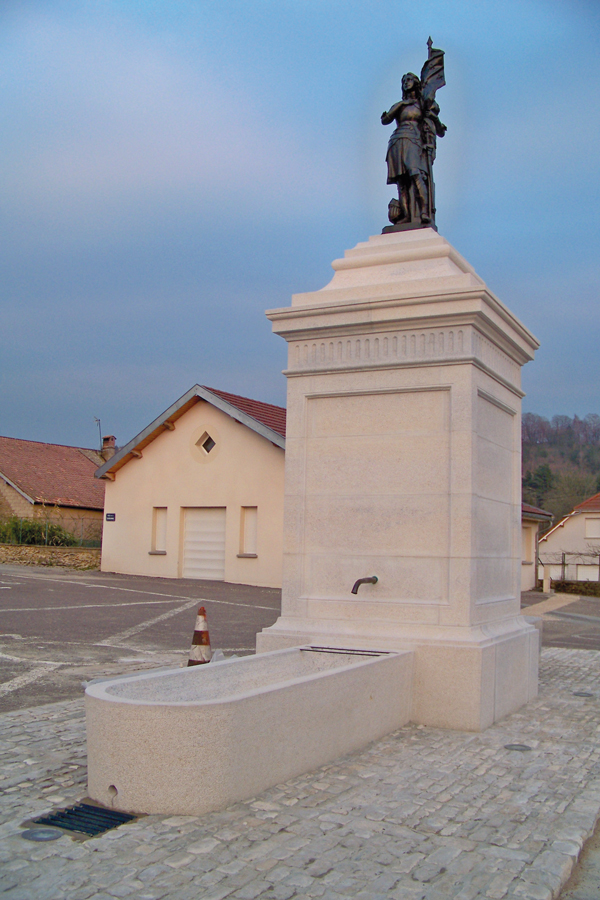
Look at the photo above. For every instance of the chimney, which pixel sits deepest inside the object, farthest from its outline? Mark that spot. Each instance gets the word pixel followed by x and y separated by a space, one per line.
pixel 108 447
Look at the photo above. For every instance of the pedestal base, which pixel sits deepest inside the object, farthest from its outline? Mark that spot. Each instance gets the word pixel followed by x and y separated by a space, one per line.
pixel 407 226
pixel 463 678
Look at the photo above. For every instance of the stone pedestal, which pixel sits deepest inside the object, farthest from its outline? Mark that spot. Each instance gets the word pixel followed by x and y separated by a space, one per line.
pixel 403 459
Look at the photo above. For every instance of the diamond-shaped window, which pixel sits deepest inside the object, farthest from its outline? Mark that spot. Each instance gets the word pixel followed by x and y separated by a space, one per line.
pixel 206 443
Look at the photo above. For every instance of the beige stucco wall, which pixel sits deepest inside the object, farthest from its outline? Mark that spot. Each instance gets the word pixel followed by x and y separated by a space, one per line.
pixel 243 469
pixel 529 531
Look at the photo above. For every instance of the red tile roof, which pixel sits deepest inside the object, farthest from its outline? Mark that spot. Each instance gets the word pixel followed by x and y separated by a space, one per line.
pixel 269 415
pixel 592 504
pixel 534 511
pixel 52 473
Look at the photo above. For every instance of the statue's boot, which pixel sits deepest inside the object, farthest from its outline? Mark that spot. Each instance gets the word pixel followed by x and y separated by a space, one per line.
pixel 405 201
pixel 422 198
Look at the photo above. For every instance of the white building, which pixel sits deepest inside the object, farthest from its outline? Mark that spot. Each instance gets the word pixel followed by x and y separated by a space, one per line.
pixel 571 550
pixel 199 493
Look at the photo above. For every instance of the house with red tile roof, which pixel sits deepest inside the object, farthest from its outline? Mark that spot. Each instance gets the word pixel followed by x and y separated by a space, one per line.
pixel 199 492
pixel 571 550
pixel 50 481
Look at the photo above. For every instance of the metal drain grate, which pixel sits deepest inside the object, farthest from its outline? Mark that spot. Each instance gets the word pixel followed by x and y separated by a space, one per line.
pixel 86 819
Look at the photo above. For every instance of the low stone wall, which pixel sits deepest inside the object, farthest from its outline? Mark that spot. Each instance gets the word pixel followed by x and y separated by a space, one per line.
pixel 70 557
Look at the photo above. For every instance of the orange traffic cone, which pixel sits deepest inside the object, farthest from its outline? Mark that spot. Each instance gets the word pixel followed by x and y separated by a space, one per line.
pixel 200 652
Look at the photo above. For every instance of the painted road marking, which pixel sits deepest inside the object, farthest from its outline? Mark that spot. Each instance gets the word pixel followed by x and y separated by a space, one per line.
pixel 130 632
pixel 146 593
pixel 40 662
pixel 28 678
pixel 94 605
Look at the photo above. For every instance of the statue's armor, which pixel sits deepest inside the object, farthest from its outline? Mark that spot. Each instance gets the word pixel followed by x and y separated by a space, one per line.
pixel 405 154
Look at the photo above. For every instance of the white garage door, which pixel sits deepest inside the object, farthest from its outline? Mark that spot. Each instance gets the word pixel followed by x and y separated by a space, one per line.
pixel 204 543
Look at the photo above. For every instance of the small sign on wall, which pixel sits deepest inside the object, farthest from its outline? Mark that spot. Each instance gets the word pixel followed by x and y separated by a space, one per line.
pixel 111 517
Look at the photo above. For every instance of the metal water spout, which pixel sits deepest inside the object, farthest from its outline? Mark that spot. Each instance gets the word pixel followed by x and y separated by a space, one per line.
pixel 372 580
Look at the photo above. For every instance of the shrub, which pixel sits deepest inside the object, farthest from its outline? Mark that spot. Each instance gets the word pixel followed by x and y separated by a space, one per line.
pixel 583 588
pixel 35 531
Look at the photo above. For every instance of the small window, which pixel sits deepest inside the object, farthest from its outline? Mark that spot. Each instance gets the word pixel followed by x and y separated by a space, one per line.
pixel 248 531
pixel 159 529
pixel 592 528
pixel 206 443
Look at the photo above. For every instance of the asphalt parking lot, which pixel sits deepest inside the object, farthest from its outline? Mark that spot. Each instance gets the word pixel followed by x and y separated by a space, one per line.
pixel 59 628
pixel 574 625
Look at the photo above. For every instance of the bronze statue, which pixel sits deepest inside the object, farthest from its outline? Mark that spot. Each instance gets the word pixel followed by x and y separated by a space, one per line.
pixel 411 148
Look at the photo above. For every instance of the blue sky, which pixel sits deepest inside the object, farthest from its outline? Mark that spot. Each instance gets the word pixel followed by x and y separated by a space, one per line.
pixel 171 169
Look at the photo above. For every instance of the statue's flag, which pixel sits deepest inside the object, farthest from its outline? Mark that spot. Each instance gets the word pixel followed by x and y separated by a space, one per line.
pixel 432 74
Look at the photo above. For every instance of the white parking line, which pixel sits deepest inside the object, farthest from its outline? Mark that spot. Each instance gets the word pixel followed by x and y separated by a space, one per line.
pixel 111 587
pixel 39 662
pixel 117 639
pixel 95 605
pixel 27 678
pixel 24 659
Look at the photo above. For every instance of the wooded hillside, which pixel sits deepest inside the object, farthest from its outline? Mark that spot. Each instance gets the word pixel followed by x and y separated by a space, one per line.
pixel 561 461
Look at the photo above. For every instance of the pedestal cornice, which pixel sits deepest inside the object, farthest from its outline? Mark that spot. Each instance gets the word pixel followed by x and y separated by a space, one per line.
pixel 400 300
pixel 427 307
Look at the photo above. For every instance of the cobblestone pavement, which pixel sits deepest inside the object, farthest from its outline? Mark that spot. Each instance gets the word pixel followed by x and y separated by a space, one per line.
pixel 423 813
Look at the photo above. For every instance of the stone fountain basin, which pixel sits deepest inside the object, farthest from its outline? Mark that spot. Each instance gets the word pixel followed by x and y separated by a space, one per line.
pixel 187 741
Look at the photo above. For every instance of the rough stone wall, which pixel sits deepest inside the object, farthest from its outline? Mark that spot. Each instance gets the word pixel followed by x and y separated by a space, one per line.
pixel 70 557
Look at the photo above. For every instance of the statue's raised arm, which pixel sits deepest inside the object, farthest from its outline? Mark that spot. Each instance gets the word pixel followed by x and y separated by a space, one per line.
pixel 412 146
